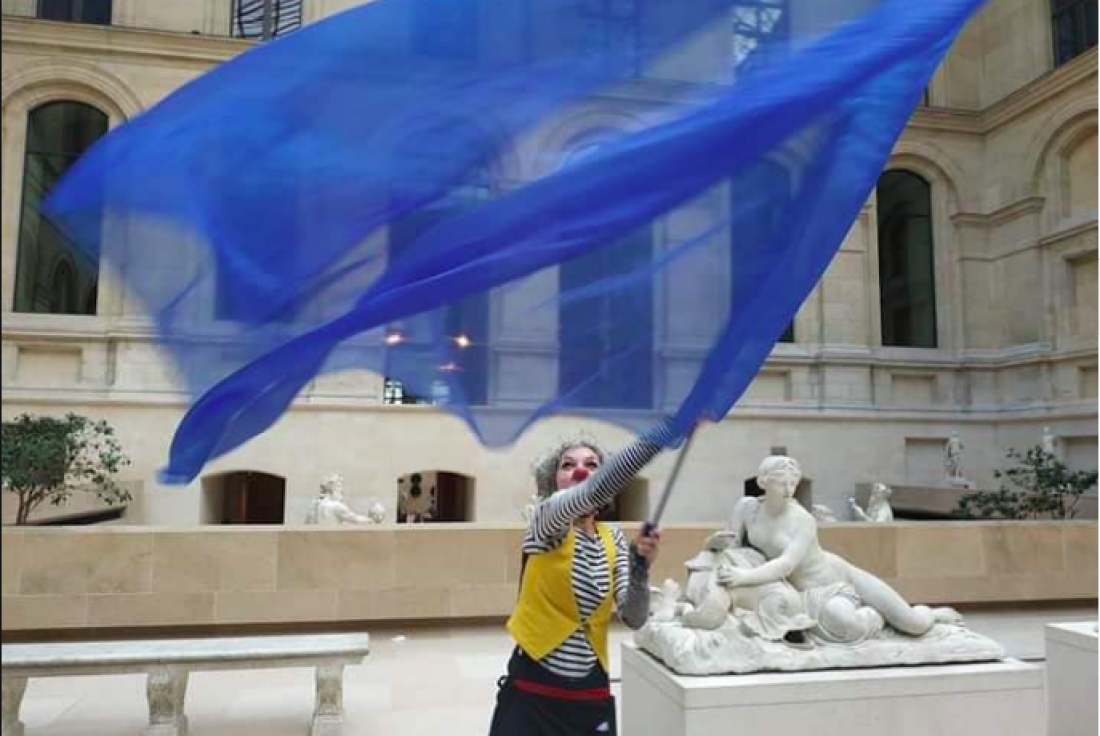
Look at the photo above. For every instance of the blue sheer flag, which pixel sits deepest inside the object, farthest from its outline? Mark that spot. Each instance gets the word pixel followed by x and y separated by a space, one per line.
pixel 609 208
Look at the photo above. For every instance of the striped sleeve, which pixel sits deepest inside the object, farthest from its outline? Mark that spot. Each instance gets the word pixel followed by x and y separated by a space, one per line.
pixel 551 519
pixel 631 583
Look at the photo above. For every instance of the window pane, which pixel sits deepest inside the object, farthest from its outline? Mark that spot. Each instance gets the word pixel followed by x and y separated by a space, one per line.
pixel 906 268
pixel 594 333
pixel 96 12
pixel 51 276
pixel 248 18
pixel 1074 28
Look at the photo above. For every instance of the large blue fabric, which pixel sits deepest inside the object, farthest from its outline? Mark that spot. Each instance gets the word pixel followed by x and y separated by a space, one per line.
pixel 432 190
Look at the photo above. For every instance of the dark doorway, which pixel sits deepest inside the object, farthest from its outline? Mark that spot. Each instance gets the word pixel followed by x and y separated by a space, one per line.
pixel 247 497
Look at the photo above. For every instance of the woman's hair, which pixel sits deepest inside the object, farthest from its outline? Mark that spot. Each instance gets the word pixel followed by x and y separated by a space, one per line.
pixel 777 464
pixel 545 468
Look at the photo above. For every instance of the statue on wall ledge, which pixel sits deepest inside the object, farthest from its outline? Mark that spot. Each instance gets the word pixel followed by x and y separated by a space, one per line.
pixel 1049 442
pixel 953 462
pixel 330 509
pixel 878 506
pixel 764 595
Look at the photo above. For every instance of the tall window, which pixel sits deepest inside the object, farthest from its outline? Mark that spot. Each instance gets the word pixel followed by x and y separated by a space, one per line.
pixel 96 12
pixel 265 19
pixel 51 276
pixel 1074 28
pixel 598 334
pixel 906 263
pixel 752 227
pixel 465 324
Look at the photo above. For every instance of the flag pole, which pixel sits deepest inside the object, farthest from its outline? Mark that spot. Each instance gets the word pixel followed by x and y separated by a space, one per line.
pixel 655 519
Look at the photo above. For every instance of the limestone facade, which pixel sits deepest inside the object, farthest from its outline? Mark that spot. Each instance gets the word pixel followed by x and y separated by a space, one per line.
pixel 1007 144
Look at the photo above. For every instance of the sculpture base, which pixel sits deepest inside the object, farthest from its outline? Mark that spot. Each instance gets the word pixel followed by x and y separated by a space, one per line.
pixel 1071 679
pixel 991 699
pixel 729 650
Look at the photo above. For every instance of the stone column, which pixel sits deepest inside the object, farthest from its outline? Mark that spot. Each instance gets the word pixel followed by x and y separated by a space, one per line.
pixel 14 687
pixel 328 715
pixel 166 690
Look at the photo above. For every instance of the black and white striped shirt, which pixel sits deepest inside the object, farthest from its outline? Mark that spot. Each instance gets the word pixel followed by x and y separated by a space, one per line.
pixel 550 524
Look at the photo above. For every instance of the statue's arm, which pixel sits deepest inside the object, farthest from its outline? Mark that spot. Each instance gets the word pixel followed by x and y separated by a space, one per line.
pixel 858 510
pixel 348 516
pixel 782 566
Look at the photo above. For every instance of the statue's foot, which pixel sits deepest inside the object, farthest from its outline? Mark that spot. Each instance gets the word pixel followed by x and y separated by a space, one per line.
pixel 947 615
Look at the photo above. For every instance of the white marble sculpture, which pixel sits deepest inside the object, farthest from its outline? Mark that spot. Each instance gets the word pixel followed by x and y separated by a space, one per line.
pixel 764 595
pixel 330 508
pixel 953 462
pixel 878 509
pixel 824 514
pixel 1049 442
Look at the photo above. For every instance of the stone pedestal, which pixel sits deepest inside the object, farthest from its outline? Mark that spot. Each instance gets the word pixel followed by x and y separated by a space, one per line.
pixel 996 699
pixel 1071 679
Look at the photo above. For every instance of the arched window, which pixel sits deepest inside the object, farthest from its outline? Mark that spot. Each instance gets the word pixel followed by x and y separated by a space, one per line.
pixel 769 186
pixel 1073 28
pixel 57 134
pixel 596 332
pixel 906 264
pixel 465 323
pixel 96 12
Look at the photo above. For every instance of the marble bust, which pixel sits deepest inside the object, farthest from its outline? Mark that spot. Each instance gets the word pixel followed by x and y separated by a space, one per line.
pixel 764 595
pixel 329 507
pixel 878 509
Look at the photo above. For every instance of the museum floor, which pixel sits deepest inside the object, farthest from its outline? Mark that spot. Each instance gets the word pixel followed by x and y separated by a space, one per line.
pixel 419 681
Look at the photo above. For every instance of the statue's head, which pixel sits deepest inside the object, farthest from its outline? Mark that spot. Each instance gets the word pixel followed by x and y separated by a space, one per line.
pixel 333 485
pixel 779 475
pixel 881 491
pixel 567 464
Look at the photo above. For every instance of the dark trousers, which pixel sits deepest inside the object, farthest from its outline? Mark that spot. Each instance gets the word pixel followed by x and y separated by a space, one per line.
pixel 523 713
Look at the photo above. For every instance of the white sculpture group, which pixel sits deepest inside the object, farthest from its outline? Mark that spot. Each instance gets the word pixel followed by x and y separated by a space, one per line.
pixel 764 595
pixel 878 509
pixel 330 509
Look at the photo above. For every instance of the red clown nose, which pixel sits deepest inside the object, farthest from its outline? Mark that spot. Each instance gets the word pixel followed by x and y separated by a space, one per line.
pixel 579 474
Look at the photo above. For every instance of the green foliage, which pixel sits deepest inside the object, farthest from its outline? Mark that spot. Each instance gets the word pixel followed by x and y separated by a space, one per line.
pixel 47 460
pixel 1038 486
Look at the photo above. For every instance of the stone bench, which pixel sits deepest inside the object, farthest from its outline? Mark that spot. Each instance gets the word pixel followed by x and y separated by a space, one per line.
pixel 168 662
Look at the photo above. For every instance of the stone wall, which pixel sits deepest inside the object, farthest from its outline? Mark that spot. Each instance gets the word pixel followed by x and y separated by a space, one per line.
pixel 134 577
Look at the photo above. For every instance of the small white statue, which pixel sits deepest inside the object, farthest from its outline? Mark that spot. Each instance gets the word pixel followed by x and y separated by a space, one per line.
pixel 330 509
pixel 764 595
pixel 878 506
pixel 953 462
pixel 1049 442
pixel 824 514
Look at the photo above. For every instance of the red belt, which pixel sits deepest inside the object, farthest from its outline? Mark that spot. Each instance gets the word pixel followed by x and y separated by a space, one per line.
pixel 599 693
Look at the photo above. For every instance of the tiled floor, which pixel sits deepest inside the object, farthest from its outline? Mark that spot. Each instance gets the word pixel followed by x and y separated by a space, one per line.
pixel 438 681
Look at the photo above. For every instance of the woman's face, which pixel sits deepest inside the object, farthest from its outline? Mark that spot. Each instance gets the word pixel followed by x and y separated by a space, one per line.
pixel 781 484
pixel 573 459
